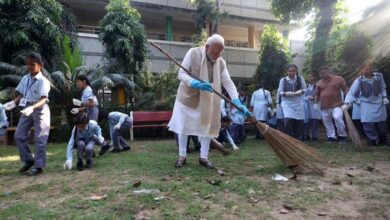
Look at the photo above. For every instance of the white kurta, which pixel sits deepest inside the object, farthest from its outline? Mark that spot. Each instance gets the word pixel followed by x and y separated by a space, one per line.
pixel 260 101
pixel 186 120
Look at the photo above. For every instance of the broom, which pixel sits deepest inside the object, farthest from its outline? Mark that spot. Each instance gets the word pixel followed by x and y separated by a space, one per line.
pixel 291 151
pixel 355 137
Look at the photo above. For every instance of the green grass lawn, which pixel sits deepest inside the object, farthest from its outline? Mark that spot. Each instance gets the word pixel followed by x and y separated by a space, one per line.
pixel 246 192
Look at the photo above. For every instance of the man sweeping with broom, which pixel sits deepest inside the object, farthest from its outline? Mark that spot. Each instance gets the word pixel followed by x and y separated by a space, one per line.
pixel 197 110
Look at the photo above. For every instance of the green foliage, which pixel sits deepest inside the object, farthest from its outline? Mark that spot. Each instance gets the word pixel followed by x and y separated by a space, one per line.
pixel 31 25
pixel 124 37
pixel 337 37
pixel 291 10
pixel 207 12
pixel 200 39
pixel 156 91
pixel 273 56
pixel 71 55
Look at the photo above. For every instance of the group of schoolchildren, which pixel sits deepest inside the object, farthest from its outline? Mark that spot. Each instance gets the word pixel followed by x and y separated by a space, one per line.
pixel 302 107
pixel 33 98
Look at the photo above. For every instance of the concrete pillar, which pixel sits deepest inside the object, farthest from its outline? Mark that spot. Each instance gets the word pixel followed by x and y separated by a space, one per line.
pixel 168 28
pixel 251 37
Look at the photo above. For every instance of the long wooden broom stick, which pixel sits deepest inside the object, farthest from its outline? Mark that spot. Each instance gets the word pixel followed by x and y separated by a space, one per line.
pixel 290 155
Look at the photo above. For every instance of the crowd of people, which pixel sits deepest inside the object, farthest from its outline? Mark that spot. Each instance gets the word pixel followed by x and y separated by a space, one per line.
pixel 201 115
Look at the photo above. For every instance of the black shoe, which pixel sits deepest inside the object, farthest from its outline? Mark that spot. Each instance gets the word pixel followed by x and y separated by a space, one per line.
pixel 331 140
pixel 179 163
pixel 116 151
pixel 35 172
pixel 80 165
pixel 104 149
pixel 88 164
pixel 126 148
pixel 206 164
pixel 27 166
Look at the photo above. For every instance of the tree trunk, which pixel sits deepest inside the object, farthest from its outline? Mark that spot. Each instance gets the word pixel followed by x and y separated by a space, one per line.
pixel 325 24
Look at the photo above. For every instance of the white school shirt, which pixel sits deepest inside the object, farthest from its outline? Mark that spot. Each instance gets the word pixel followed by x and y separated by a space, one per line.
pixel 33 88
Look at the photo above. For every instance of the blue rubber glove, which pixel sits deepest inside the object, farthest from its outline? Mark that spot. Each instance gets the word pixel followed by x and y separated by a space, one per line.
pixel 244 111
pixel 196 84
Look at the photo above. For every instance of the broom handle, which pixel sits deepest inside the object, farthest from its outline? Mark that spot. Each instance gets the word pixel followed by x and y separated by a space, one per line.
pixel 193 75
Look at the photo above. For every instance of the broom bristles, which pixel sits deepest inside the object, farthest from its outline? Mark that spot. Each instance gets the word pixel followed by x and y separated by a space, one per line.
pixel 291 151
pixel 353 133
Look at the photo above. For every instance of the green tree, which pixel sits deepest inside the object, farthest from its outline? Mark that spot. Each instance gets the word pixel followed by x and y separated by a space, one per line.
pixel 157 91
pixel 292 10
pixel 273 56
pixel 208 12
pixel 32 25
pixel 337 37
pixel 124 37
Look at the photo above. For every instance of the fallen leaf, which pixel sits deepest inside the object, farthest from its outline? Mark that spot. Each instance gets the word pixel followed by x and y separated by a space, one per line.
pixel 293 177
pixel 180 178
pixel 350 183
pixel 350 175
pixel 214 182
pixel 331 162
pixel 310 189
pixel 283 211
pixel 137 183
pixel 253 200
pixel 221 172
pixel 98 197
pixel 251 191
pixel 322 214
pixel 336 182
pixel 370 168
pixel 288 207
pixel 234 208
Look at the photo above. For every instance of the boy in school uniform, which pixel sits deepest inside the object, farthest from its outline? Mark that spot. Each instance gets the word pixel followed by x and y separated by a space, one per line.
pixel 85 134
pixel 260 103
pixel 224 136
pixel 238 127
pixel 33 96
pixel 120 124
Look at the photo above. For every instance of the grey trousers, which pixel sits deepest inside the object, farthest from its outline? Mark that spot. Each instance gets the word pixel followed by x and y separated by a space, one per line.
pixel 117 135
pixel 93 113
pixel 40 120
pixel 375 131
pixel 87 147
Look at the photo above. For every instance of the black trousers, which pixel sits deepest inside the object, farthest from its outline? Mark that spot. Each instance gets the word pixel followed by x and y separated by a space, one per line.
pixel 294 128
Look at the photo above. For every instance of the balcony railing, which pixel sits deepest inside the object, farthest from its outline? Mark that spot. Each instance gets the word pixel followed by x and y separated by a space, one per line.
pixel 88 29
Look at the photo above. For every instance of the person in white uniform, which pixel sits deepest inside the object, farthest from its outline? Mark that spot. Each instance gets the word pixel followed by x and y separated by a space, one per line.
pixel 291 89
pixel 261 104
pixel 197 110
pixel 370 89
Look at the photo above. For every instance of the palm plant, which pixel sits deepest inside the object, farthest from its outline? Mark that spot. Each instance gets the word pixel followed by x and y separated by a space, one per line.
pixel 32 25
